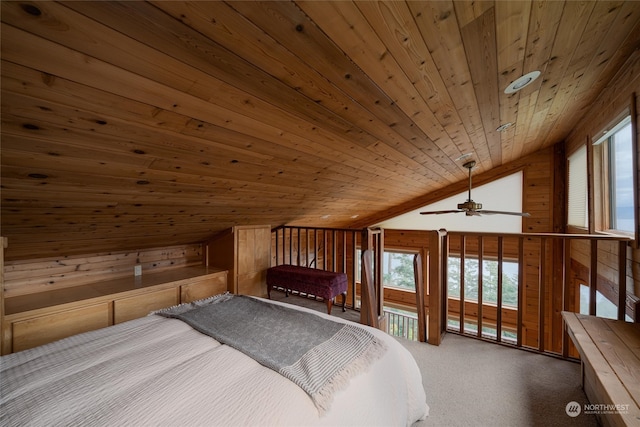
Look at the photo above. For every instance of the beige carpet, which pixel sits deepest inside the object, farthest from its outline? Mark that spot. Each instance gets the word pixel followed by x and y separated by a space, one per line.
pixel 474 383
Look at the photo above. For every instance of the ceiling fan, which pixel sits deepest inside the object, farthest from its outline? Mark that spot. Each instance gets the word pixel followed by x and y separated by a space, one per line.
pixel 471 208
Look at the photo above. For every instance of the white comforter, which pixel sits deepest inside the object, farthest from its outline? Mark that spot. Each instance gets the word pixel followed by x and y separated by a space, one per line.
pixel 158 371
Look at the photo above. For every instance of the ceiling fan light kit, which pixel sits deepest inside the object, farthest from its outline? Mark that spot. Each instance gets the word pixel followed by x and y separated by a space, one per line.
pixel 471 208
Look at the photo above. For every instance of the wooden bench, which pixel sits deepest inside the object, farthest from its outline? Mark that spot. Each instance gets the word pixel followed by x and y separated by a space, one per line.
pixel 610 355
pixel 310 281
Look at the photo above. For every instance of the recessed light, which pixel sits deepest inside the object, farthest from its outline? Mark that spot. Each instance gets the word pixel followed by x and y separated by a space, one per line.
pixel 522 82
pixel 464 156
pixel 504 127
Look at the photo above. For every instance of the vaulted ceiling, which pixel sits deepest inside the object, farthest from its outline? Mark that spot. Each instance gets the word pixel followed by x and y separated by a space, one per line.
pixel 140 124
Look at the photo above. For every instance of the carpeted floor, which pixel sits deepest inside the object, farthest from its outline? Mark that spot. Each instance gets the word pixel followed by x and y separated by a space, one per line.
pixel 474 383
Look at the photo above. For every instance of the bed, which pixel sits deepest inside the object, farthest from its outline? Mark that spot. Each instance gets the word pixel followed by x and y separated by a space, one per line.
pixel 159 370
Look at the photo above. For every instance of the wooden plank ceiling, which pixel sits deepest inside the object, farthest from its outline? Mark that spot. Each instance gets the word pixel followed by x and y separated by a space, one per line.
pixel 141 124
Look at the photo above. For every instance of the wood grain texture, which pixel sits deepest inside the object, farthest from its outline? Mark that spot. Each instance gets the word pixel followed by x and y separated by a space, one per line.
pixel 610 353
pixel 138 306
pixel 33 332
pixel 47 274
pixel 39 318
pixel 129 125
pixel 245 252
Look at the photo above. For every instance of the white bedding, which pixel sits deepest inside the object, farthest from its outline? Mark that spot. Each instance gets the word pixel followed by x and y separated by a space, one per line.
pixel 159 371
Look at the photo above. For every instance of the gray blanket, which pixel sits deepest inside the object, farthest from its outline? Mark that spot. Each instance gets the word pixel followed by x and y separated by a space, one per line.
pixel 317 354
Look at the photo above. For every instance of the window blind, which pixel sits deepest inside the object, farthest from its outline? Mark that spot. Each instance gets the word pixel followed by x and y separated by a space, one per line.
pixel 578 207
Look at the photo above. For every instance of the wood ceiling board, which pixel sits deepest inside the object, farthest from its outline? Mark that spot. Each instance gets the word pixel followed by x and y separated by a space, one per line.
pixel 544 20
pixel 287 67
pixel 480 41
pixel 575 17
pixel 350 29
pixel 621 40
pixel 313 48
pixel 586 52
pixel 394 25
pixel 289 111
pixel 226 79
pixel 512 19
pixel 153 139
pixel 438 25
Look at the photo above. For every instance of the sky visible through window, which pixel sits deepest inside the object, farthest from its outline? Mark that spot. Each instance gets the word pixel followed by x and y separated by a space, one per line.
pixel 622 180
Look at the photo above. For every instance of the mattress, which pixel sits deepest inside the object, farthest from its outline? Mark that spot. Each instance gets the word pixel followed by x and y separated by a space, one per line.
pixel 159 371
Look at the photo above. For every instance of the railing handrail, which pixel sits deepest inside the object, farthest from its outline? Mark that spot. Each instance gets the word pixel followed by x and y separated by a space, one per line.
pixel 302 227
pixel 545 264
pixel 552 279
pixel 572 236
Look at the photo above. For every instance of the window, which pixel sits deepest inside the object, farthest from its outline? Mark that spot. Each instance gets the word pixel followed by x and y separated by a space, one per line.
pixel 613 159
pixel 578 208
pixel 604 307
pixel 489 280
pixel 397 270
pixel 621 180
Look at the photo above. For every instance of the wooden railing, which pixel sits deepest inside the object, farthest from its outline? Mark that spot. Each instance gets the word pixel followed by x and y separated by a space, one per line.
pixel 551 268
pixel 402 325
pixel 337 250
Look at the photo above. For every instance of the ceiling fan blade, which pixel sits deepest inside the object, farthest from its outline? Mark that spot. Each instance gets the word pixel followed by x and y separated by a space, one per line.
pixel 471 208
pixel 524 214
pixel 440 212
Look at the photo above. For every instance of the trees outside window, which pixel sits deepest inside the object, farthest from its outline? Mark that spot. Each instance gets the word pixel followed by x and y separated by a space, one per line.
pixel 489 280
pixel 398 270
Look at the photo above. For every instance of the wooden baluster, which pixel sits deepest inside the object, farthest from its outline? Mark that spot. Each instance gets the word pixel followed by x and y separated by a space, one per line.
pixel 566 280
pixel 435 288
pixel 344 251
pixel 299 246
pixel 379 277
pixel 333 250
pixel 315 248
pixel 463 248
pixel 519 331
pixel 622 279
pixel 420 308
pixel 541 293
pixel 480 290
pixel 499 292
pixel 324 249
pixel 368 291
pixel 593 277
pixel 290 245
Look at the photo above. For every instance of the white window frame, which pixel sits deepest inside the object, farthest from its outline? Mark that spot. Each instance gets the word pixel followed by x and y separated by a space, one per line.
pixel 602 179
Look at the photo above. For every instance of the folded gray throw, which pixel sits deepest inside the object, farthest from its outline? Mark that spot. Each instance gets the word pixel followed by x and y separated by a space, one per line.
pixel 317 354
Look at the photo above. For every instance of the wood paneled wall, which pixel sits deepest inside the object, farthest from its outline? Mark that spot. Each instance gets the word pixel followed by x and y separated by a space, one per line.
pixel 540 197
pixel 44 274
pixel 614 100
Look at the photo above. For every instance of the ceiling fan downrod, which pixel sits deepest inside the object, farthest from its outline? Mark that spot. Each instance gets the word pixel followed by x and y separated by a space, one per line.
pixel 469 206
